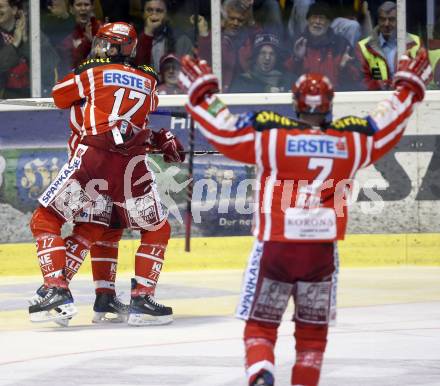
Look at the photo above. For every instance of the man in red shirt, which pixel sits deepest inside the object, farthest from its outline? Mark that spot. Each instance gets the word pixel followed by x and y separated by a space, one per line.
pixel 107 178
pixel 318 49
pixel 78 44
pixel 303 169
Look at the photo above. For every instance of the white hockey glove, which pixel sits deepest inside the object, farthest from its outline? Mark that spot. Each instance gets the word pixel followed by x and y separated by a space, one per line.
pixel 197 78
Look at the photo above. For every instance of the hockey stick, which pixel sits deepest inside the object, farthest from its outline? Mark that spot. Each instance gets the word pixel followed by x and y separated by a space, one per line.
pixel 46 103
pixel 194 152
pixel 188 216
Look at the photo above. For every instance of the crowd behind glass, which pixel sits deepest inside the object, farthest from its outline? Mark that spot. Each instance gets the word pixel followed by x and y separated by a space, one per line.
pixel 266 44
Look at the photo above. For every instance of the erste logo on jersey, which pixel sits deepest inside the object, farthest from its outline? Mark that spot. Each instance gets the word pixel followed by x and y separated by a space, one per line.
pixel 316 146
pixel 127 79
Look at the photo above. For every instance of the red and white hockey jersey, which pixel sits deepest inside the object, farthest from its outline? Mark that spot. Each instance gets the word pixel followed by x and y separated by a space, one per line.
pixel 76 127
pixel 77 130
pixel 109 91
pixel 303 172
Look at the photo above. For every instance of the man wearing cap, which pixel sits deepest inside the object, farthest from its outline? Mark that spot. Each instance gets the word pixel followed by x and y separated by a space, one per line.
pixel 319 50
pixel 169 70
pixel 264 75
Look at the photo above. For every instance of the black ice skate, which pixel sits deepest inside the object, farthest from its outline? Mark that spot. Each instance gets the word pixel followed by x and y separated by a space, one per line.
pixel 54 304
pixel 108 308
pixel 40 293
pixel 145 311
pixel 264 378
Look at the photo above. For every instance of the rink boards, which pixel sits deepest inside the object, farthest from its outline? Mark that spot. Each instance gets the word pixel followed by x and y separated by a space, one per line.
pixel 231 253
pixel 399 225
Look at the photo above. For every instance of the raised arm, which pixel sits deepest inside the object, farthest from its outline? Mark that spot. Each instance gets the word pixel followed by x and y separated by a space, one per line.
pixel 229 134
pixel 391 116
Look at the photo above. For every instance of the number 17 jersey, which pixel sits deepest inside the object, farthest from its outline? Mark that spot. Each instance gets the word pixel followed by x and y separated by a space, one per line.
pixel 109 91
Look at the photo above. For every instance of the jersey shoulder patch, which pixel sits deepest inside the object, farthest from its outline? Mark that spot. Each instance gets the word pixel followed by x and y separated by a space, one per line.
pixel 149 70
pixel 266 120
pixel 90 63
pixel 352 123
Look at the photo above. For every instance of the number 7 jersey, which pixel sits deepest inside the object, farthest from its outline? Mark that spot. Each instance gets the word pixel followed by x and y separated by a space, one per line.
pixel 303 173
pixel 110 91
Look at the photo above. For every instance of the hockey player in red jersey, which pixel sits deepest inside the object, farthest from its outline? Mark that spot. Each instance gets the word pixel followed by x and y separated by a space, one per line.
pixel 107 177
pixel 303 168
pixel 104 252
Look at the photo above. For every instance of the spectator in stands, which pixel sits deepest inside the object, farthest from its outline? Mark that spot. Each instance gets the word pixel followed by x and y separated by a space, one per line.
pixel 56 20
pixel 57 23
pixel 298 18
pixel 319 50
pixel 265 75
pixel 237 37
pixel 352 18
pixel 158 38
pixel 204 38
pixel 238 33
pixel 8 53
pixel 114 11
pixel 9 60
pixel 186 33
pixel 378 52
pixel 179 12
pixel 267 14
pixel 169 71
pixel 434 53
pixel 14 47
pixel 78 43
pixel 353 22
pixel 434 59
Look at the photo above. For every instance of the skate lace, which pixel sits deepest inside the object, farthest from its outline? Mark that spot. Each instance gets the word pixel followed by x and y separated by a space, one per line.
pixel 153 301
pixel 118 302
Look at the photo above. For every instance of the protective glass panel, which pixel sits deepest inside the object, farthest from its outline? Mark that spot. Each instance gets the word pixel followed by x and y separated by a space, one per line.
pixel 66 37
pixel 165 33
pixel 267 45
pixel 433 39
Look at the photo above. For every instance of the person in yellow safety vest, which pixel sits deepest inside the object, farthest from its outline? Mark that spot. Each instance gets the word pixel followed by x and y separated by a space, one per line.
pixel 378 52
pixel 434 59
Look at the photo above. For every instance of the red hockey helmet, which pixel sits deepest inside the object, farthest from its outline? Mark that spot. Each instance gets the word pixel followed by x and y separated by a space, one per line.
pixel 313 94
pixel 121 35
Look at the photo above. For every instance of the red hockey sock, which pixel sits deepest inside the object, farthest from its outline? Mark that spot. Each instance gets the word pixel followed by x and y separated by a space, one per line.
pixel 311 341
pixel 149 259
pixel 46 229
pixel 148 264
pixel 79 244
pixel 307 369
pixel 259 340
pixel 51 256
pixel 104 254
pixel 77 249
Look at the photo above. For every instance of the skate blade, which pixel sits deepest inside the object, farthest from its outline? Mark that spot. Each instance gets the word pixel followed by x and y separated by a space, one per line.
pixel 104 317
pixel 139 320
pixel 63 322
pixel 60 322
pixel 62 312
